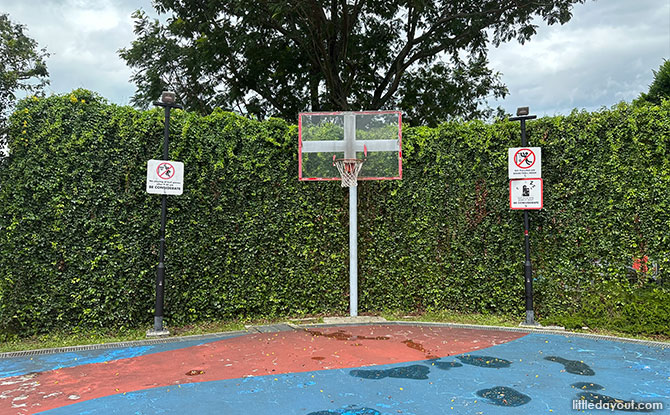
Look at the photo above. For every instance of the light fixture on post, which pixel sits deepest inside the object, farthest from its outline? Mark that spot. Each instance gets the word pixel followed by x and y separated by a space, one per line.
pixel 523 111
pixel 168 98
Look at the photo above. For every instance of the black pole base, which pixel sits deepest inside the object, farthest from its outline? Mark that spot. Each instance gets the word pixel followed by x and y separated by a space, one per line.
pixel 530 320
pixel 158 330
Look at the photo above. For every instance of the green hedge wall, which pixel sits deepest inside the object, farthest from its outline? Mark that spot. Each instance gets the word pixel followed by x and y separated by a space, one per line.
pixel 78 233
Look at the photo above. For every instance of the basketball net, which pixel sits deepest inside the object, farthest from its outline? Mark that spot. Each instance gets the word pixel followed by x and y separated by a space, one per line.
pixel 349 169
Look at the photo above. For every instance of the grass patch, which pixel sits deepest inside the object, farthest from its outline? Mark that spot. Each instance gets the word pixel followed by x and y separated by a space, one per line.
pixel 449 316
pixel 616 333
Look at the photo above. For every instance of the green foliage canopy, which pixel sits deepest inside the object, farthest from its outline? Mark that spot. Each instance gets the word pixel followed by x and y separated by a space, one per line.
pixel 266 57
pixel 660 87
pixel 22 67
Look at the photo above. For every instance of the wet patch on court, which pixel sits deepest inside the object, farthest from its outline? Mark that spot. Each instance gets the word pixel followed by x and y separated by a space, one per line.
pixel 484 361
pixel 575 367
pixel 445 365
pixel 344 336
pixel 587 386
pixel 418 346
pixel 504 396
pixel 417 372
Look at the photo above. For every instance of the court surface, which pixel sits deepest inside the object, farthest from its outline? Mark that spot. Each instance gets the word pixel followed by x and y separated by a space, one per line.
pixel 344 370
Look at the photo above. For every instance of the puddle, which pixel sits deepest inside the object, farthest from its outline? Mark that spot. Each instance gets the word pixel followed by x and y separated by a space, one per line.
pixel 417 372
pixel 484 361
pixel 445 365
pixel 343 336
pixel 572 366
pixel 587 386
pixel 504 396
pixel 417 346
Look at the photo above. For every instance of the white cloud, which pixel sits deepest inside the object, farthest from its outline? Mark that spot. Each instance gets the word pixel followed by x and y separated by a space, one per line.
pixel 83 37
pixel 93 20
pixel 604 55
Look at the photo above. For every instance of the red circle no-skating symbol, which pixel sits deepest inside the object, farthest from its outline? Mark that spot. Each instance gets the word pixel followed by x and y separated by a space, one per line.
pixel 524 158
pixel 165 171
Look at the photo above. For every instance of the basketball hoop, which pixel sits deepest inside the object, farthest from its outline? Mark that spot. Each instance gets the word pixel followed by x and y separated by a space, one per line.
pixel 322 135
pixel 348 169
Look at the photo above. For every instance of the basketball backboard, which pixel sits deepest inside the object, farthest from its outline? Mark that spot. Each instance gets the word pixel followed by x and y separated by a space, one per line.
pixel 373 136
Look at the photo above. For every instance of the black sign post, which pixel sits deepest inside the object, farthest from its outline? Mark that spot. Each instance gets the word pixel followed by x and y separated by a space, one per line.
pixel 167 101
pixel 522 115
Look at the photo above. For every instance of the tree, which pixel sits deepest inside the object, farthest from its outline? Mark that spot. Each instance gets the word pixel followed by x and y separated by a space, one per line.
pixel 22 68
pixel 269 57
pixel 660 86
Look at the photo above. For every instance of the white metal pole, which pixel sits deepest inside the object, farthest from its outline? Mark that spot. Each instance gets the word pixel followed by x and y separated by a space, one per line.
pixel 350 153
pixel 353 251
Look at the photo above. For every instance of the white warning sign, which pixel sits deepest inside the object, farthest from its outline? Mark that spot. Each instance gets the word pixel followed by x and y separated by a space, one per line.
pixel 525 194
pixel 165 177
pixel 524 162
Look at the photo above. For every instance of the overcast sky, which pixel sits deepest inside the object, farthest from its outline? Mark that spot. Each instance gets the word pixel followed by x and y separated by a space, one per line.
pixel 604 55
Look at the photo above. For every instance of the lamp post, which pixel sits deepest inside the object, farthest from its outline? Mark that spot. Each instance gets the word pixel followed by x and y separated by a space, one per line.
pixel 522 116
pixel 167 101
